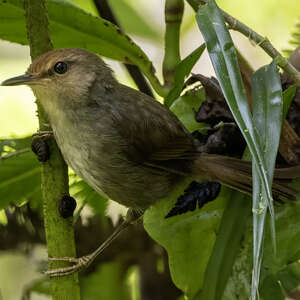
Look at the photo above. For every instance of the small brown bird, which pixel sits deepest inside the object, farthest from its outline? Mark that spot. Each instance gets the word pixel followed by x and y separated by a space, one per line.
pixel 121 141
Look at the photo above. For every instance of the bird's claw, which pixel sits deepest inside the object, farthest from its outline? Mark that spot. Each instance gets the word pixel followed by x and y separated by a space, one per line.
pixel 78 264
pixel 44 134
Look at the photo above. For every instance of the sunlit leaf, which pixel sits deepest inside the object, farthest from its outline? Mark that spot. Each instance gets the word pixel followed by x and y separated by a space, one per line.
pixel 19 174
pixel 132 22
pixel 188 238
pixel 182 70
pixel 185 107
pixel 82 191
pixel 288 96
pixel 224 59
pixel 70 27
pixel 267 115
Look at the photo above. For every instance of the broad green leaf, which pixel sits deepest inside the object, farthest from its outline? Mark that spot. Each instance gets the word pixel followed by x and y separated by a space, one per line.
pixel 188 238
pixel 182 70
pixel 19 179
pixel 132 22
pixel 224 59
pixel 267 115
pixel 185 106
pixel 70 27
pixel 289 277
pixel 127 15
pixel 272 289
pixel 287 236
pixel 286 280
pixel 19 174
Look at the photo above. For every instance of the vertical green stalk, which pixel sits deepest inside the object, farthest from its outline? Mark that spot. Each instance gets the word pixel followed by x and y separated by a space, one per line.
pixel 173 17
pixel 54 176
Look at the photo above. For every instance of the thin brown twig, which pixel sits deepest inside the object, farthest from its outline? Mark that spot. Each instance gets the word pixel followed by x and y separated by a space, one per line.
pixel 259 40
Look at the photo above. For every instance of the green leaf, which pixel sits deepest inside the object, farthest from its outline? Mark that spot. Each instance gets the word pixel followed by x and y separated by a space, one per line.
pixel 224 59
pixel 287 236
pixel 80 190
pixel 188 238
pixel 289 277
pixel 132 22
pixel 272 289
pixel 182 70
pixel 19 174
pixel 185 107
pixel 277 286
pixel 288 96
pixel 70 27
pixel 267 115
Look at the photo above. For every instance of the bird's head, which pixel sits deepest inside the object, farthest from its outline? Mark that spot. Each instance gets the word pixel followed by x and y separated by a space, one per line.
pixel 64 76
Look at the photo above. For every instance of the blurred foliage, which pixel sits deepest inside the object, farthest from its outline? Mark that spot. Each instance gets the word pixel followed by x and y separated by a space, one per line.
pixel 189 238
pixel 295 41
pixel 131 20
pixel 106 282
pixel 71 27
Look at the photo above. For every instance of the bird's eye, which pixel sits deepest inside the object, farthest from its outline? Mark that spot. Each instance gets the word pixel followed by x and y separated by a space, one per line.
pixel 60 67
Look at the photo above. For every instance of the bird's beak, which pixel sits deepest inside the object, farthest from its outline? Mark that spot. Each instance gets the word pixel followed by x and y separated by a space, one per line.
pixel 19 80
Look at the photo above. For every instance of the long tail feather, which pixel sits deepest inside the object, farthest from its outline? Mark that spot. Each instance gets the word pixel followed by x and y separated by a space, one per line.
pixel 237 174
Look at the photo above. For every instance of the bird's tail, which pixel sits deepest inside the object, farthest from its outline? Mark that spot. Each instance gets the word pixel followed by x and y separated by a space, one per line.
pixel 237 174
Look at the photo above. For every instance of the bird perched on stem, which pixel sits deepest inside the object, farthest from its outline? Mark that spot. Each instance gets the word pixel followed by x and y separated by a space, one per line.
pixel 123 142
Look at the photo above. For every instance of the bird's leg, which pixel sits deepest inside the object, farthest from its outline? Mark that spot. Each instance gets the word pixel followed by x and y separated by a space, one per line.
pixel 84 261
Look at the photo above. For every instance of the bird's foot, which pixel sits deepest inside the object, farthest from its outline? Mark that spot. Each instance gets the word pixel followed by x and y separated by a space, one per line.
pixel 39 144
pixel 78 265
pixel 44 134
pixel 84 261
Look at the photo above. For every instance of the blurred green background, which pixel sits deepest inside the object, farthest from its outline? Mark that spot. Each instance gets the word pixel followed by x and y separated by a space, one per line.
pixel 144 22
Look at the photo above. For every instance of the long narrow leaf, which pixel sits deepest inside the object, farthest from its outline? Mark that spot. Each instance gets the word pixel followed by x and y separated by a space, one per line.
pixel 224 59
pixel 288 96
pixel 267 115
pixel 182 70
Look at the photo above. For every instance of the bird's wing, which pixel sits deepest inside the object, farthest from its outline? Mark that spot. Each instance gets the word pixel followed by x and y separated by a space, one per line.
pixel 151 133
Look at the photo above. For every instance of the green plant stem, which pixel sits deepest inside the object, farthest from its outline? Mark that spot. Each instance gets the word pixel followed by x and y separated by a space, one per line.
pixel 259 40
pixel 173 17
pixel 54 175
